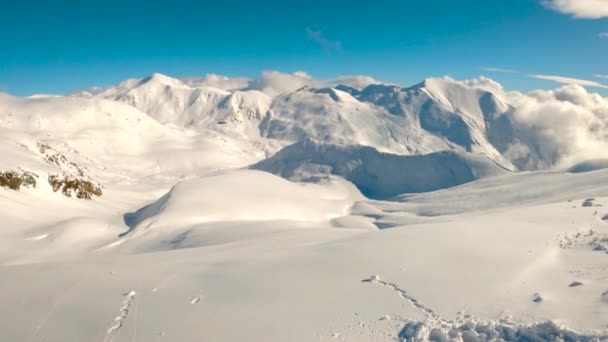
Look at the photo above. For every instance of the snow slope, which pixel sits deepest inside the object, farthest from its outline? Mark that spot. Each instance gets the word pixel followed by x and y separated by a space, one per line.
pixel 473 274
pixel 287 208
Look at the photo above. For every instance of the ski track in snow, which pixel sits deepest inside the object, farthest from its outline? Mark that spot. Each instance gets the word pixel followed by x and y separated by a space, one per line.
pixel 119 320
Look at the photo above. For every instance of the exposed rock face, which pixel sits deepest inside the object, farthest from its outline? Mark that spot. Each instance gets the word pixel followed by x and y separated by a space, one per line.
pixel 72 181
pixel 70 178
pixel 54 157
pixel 14 180
pixel 81 188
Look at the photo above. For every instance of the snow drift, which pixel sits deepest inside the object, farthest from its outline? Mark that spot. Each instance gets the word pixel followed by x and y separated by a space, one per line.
pixel 246 195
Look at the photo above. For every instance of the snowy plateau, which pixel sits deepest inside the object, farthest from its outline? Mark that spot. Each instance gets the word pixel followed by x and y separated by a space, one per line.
pixel 288 208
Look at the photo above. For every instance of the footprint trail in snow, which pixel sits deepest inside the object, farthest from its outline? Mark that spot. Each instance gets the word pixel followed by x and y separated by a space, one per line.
pixel 119 320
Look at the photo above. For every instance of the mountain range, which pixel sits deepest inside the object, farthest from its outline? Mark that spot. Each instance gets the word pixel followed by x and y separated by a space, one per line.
pixel 385 138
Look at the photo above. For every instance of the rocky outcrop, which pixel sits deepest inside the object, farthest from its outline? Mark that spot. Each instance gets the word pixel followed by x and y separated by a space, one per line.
pixel 71 186
pixel 54 157
pixel 70 179
pixel 14 180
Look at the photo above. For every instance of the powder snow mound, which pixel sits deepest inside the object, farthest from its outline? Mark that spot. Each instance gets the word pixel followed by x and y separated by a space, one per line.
pixel 247 195
pixel 379 175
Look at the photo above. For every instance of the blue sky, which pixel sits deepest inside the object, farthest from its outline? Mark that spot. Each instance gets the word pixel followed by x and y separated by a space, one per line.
pixel 61 46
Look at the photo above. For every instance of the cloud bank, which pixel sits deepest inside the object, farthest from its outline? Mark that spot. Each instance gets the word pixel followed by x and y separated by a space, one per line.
pixel 584 9
pixel 562 127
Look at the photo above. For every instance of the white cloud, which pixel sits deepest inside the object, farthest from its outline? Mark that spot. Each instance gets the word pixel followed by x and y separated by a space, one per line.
pixel 569 80
pixel 493 69
pixel 562 127
pixel 217 81
pixel 603 35
pixel 276 82
pixel 586 9
pixel 484 83
pixel 356 81
pixel 303 74
pixel 601 76
pixel 326 44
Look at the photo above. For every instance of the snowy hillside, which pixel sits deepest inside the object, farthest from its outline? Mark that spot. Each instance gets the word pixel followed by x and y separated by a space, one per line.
pixel 286 208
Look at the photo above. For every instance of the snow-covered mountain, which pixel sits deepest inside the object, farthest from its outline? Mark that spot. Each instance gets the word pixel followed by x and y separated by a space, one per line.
pixel 267 202
pixel 436 115
pixel 167 124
